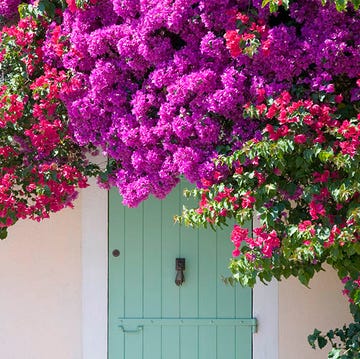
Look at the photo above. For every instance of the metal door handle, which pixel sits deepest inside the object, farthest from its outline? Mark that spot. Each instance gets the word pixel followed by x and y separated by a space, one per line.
pixel 138 329
pixel 179 267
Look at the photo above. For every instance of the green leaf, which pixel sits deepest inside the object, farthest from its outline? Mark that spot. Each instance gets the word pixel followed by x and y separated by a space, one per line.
pixel 335 353
pixel 22 10
pixel 340 5
pixel 324 156
pixel 3 233
pixel 285 3
pixel 356 4
pixel 308 154
pixel 304 277
pixel 47 7
pixel 313 337
pixel 273 7
pixel 322 342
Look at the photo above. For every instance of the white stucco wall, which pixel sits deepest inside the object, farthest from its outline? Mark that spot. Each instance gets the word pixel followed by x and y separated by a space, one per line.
pixel 301 310
pixel 40 288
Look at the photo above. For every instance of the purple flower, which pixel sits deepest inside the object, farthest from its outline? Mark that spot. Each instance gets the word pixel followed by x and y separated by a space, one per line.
pixel 161 93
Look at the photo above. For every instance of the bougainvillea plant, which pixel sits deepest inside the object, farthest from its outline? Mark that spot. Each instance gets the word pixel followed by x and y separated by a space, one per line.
pixel 299 177
pixel 269 89
pixel 41 166
pixel 161 94
pixel 302 181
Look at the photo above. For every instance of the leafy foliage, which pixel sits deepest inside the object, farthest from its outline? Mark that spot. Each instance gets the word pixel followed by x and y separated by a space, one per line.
pixel 301 180
pixel 345 341
pixel 341 5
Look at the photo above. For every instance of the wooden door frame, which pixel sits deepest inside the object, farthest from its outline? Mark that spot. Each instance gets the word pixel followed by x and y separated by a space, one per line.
pixel 94 203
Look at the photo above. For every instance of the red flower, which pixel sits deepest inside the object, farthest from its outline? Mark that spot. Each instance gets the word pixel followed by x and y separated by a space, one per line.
pixel 316 209
pixel 260 177
pixel 242 17
pixel 247 201
pixel 233 42
pixel 299 139
pixel 206 183
pixel 321 177
pixel 238 235
pixel 72 5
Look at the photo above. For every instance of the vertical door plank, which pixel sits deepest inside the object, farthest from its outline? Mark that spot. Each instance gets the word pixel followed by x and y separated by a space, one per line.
pixel 152 342
pixel 207 342
pixel 243 343
pixel 152 258
pixel 116 343
pixel 226 342
pixel 225 293
pixel 189 290
pixel 134 262
pixel 243 302
pixel 170 342
pixel 189 249
pixel 134 345
pixel 170 250
pixel 189 342
pixel 209 278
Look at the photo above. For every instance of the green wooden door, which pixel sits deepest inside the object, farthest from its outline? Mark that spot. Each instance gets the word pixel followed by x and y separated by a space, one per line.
pixel 150 317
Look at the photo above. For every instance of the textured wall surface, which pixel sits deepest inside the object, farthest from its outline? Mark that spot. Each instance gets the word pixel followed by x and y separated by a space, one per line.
pixel 40 284
pixel 302 309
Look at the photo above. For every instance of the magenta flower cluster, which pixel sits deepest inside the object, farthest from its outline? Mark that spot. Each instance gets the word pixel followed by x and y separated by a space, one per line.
pixel 8 8
pixel 160 93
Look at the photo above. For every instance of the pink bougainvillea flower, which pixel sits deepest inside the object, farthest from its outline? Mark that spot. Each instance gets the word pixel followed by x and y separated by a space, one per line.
pixel 247 200
pixel 316 209
pixel 321 177
pixel 300 139
pixel 238 235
